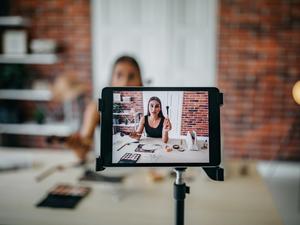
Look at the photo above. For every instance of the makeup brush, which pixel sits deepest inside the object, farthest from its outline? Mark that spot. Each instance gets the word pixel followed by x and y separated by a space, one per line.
pixel 167 110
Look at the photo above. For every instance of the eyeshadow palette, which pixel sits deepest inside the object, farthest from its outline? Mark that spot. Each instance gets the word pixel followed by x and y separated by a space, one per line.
pixel 130 158
pixel 64 196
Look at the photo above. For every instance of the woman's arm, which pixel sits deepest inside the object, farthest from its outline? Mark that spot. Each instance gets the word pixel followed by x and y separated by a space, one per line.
pixel 91 118
pixel 138 133
pixel 165 136
pixel 81 142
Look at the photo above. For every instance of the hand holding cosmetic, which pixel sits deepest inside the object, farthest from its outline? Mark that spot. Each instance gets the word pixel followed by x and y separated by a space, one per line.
pixel 167 125
pixel 135 135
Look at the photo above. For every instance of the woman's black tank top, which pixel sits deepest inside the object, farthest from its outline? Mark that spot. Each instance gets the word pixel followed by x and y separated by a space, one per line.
pixel 154 132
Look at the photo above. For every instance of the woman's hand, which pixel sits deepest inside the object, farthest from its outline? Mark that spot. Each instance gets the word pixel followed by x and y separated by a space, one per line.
pixel 135 135
pixel 80 145
pixel 167 126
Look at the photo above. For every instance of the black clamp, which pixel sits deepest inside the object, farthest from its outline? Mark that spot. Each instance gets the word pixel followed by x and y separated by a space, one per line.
pixel 221 99
pixel 214 173
pixel 100 105
pixel 99 164
pixel 180 190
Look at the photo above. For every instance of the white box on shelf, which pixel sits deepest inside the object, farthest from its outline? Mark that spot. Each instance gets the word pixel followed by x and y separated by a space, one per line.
pixel 15 42
pixel 43 46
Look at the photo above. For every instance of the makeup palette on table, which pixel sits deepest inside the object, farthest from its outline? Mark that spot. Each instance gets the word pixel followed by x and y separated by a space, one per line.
pixel 64 196
pixel 130 158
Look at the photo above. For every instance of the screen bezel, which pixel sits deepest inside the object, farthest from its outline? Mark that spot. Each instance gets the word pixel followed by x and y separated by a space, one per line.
pixel 105 158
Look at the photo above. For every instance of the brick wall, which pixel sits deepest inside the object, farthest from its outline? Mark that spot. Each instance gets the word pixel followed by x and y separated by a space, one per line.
pixel 67 22
pixel 195 113
pixel 259 55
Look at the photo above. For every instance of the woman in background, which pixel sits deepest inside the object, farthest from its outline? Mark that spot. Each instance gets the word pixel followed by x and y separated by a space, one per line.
pixel 125 72
pixel 155 124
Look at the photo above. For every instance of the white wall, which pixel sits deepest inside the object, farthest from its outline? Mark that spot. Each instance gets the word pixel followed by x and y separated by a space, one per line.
pixel 174 40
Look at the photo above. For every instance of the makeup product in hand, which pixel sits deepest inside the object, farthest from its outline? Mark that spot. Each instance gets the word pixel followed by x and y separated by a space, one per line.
pixel 64 196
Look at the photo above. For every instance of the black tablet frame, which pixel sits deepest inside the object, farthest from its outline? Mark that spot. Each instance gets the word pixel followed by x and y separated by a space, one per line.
pixel 215 100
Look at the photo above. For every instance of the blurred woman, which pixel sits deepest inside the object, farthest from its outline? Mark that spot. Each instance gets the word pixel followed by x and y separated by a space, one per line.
pixel 125 72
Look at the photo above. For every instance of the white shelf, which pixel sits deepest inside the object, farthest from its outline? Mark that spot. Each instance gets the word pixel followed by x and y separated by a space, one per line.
pixel 12 21
pixel 122 102
pixel 125 114
pixel 29 59
pixel 125 125
pixel 57 129
pixel 34 95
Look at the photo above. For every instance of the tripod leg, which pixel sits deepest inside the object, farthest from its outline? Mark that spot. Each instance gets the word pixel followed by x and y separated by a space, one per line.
pixel 179 212
pixel 180 190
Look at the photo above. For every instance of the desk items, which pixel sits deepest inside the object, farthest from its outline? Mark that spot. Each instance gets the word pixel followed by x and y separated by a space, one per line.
pixel 64 196
pixel 122 146
pixel 176 146
pixel 204 145
pixel 90 175
pixel 168 148
pixel 180 148
pixel 13 163
pixel 126 145
pixel 191 141
pixel 56 168
pixel 148 148
pixel 130 158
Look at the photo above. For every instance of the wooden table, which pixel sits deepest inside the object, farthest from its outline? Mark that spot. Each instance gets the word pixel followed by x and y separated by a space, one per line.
pixel 238 200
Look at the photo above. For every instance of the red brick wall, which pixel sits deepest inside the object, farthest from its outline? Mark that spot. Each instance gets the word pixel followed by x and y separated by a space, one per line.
pixel 259 61
pixel 195 113
pixel 67 22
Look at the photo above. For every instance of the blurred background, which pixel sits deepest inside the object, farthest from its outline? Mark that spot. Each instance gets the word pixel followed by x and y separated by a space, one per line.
pixel 250 50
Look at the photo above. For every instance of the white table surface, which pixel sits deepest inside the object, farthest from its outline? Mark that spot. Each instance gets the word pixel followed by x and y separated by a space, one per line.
pixel 238 200
pixel 160 155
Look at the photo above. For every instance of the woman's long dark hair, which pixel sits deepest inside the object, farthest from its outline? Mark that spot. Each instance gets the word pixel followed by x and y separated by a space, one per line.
pixel 160 114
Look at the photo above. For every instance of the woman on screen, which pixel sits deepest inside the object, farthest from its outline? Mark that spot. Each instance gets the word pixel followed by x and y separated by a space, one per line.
pixel 155 124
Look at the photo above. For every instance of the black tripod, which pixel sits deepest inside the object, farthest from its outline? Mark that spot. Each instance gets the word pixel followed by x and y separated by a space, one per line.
pixel 180 189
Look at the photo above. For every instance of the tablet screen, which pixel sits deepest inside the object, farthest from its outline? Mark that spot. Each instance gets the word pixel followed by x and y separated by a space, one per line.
pixel 160 127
